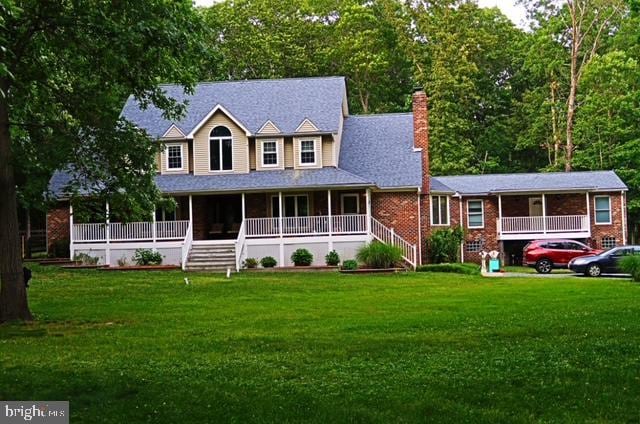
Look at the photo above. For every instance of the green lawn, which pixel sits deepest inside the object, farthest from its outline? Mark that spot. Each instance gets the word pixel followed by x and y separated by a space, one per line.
pixel 145 347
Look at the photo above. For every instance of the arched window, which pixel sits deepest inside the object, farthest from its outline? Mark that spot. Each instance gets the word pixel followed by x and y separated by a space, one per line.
pixel 220 149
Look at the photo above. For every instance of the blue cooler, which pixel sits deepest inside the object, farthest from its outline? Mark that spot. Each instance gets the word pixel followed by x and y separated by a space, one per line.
pixel 494 265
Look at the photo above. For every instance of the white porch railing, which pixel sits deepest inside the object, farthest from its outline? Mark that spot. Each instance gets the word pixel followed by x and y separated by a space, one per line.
pixel 388 236
pixel 130 231
pixel 240 246
pixel 306 225
pixel 539 224
pixel 186 247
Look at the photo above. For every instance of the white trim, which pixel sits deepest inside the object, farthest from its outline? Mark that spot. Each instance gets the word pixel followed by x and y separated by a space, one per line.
pixel 220 139
pixel 169 130
pixel 547 236
pixel 213 242
pixel 448 220
pixel 267 123
pixel 306 121
pixel 337 238
pixel 166 156
pixel 129 245
pixel 210 114
pixel 595 210
pixel 475 213
pixel 276 142
pixel 357 196
pixel 315 151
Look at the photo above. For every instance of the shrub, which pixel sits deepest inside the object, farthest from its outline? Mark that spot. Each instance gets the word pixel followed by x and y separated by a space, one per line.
pixel 250 263
pixel 332 258
pixel 123 261
pixel 147 257
pixel 631 265
pixel 268 262
pixel 457 268
pixel 444 245
pixel 379 255
pixel 302 257
pixel 85 259
pixel 350 264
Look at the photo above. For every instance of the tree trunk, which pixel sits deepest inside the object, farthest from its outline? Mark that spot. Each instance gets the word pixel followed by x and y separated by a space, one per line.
pixel 554 122
pixel 13 293
pixel 573 92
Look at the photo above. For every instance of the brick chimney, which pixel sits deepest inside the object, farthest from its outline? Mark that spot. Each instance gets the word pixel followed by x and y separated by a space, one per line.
pixel 421 132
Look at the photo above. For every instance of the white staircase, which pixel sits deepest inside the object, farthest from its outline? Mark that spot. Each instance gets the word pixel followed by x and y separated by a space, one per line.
pixel 216 257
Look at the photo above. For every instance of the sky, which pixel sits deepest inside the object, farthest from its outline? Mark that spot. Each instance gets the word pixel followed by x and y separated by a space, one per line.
pixel 515 12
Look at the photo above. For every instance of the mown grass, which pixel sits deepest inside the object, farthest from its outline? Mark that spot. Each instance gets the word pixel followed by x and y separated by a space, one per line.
pixel 325 347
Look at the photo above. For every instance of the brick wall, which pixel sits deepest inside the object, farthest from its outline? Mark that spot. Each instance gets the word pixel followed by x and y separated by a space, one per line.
pixel 598 232
pixel 58 224
pixel 566 204
pixel 397 210
pixel 488 235
pixel 421 133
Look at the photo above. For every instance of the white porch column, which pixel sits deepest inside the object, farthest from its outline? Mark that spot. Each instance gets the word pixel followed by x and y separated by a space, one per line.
pixel 108 237
pixel 71 247
pixel 499 214
pixel 154 230
pixel 191 215
pixel 368 206
pixel 544 213
pixel 588 212
pixel 280 229
pixel 461 226
pixel 243 208
pixel 330 220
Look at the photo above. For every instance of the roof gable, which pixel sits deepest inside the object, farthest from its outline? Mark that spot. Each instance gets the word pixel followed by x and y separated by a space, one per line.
pixel 306 126
pixel 269 128
pixel 284 102
pixel 173 132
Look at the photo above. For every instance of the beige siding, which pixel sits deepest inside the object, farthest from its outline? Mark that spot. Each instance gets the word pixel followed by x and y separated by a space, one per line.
pixel 174 132
pixel 307 126
pixel 252 154
pixel 201 146
pixel 327 151
pixel 269 128
pixel 258 156
pixel 158 162
pixel 296 152
pixel 185 158
pixel 288 152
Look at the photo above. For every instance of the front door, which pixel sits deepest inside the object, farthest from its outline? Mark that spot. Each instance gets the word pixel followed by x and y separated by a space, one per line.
pixel 535 206
pixel 296 205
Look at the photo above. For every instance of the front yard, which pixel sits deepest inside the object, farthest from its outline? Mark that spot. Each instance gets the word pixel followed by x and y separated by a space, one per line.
pixel 325 347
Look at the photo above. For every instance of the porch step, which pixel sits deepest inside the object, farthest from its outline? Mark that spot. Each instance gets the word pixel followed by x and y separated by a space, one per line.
pixel 211 258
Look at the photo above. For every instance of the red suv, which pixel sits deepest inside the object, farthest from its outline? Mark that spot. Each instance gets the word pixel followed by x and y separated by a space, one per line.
pixel 544 255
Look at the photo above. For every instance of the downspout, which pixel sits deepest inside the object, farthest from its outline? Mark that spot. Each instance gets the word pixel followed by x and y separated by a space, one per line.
pixel 419 261
pixel 459 196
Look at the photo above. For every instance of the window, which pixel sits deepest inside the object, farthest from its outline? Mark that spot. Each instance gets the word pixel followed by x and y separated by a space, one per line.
pixel 163 214
pixel 307 152
pixel 603 209
pixel 475 214
pixel 439 210
pixel 350 204
pixel 269 153
pixel 608 242
pixel 474 246
pixel 174 157
pixel 220 150
pixel 294 205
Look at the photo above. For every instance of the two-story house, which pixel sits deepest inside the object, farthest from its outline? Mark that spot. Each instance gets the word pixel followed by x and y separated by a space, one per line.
pixel 262 168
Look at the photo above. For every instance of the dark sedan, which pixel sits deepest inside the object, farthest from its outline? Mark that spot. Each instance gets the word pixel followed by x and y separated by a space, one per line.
pixel 604 263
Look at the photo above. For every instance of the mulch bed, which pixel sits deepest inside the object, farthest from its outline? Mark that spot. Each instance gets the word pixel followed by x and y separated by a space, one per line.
pixel 372 271
pixel 314 268
pixel 80 266
pixel 140 268
pixel 57 261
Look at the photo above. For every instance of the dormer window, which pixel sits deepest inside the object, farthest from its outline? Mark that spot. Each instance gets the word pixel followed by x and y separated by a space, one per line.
pixel 307 152
pixel 174 157
pixel 220 149
pixel 269 153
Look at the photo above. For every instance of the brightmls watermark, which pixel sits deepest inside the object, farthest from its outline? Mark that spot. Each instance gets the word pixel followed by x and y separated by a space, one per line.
pixel 37 412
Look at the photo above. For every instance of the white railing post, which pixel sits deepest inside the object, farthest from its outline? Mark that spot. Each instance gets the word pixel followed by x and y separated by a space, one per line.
pixel 280 229
pixel 71 235
pixel 330 229
pixel 108 236
pixel 154 231
pixel 544 213
pixel 368 211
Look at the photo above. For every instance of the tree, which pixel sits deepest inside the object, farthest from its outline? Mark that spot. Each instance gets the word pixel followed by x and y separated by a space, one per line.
pixel 66 68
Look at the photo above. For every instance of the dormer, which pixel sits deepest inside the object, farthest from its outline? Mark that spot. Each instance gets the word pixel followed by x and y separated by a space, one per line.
pixel 174 158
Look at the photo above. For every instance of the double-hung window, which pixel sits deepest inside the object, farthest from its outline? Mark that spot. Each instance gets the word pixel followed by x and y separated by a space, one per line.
pixel 220 149
pixel 294 205
pixel 439 210
pixel 475 214
pixel 174 157
pixel 269 153
pixel 603 209
pixel 307 152
pixel 350 203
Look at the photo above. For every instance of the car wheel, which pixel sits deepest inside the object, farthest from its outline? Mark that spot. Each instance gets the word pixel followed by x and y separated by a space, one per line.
pixel 594 270
pixel 544 266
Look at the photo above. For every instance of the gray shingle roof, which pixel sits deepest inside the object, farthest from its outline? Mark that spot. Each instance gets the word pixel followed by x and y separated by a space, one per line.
pixel 380 148
pixel 550 181
pixel 286 102
pixel 255 180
